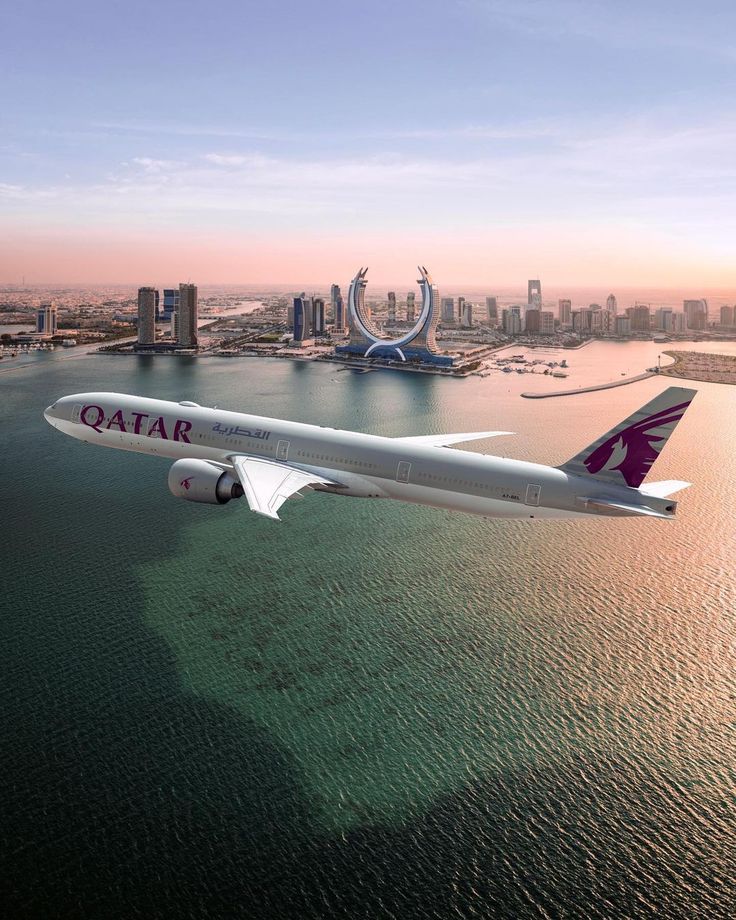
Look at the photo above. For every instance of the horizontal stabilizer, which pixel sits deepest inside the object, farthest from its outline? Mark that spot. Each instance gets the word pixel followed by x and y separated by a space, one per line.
pixel 442 440
pixel 664 488
pixel 604 506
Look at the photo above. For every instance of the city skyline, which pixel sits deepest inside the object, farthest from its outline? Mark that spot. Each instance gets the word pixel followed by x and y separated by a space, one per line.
pixel 575 143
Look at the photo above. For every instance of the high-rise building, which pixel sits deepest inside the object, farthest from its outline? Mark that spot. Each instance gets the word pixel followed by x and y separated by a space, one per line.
pixel 534 292
pixel 46 319
pixel 663 319
pixel 187 316
pixel 334 294
pixel 640 316
pixel 727 315
pixel 147 297
pixel 447 309
pixel 598 320
pixel 492 310
pixel 318 316
pixel 337 307
pixel 623 324
pixel 301 319
pixel 467 318
pixel 547 322
pixel 582 320
pixel 171 303
pixel 511 320
pixel 460 308
pixel 392 307
pixel 532 320
pixel 612 304
pixel 410 306
pixel 564 308
pixel 696 314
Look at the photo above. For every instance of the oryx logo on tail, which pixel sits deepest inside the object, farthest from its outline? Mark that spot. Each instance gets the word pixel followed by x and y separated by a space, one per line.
pixel 627 452
pixel 633 450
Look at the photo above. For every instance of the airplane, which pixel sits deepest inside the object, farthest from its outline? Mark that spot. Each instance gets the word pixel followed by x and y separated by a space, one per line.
pixel 221 455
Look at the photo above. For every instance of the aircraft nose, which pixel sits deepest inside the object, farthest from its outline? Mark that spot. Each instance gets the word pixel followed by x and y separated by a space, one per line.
pixel 48 413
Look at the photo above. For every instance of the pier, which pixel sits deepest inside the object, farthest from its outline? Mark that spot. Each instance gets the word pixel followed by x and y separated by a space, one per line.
pixel 592 389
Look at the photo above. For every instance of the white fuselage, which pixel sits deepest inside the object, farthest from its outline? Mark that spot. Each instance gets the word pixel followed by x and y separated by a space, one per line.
pixel 360 464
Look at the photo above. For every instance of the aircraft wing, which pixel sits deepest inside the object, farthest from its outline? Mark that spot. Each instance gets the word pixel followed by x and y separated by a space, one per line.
pixel 267 484
pixel 442 440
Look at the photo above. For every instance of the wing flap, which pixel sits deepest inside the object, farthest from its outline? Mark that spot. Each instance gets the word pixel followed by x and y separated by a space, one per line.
pixel 267 484
pixel 443 440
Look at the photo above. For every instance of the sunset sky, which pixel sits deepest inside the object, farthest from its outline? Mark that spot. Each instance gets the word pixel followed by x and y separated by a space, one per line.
pixel 492 140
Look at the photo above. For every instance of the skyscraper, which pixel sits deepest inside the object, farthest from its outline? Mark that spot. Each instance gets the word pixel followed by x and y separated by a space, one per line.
pixel 301 320
pixel 727 315
pixel 612 304
pixel 334 294
pixel 318 316
pixel 340 320
pixel 171 303
pixel 337 305
pixel 696 314
pixel 582 320
pixel 46 319
pixel 392 307
pixel 640 317
pixel 187 316
pixel 447 309
pixel 467 319
pixel 492 310
pixel 460 308
pixel 547 322
pixel 532 320
pixel 147 297
pixel 623 324
pixel 565 312
pixel 511 320
pixel 534 292
pixel 410 306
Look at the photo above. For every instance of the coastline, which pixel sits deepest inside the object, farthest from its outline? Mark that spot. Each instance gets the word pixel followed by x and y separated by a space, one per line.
pixel 702 366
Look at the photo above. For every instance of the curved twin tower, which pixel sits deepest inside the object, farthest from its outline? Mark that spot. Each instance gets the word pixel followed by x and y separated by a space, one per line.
pixel 418 344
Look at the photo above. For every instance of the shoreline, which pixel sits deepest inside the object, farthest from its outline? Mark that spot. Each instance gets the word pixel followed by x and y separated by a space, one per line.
pixel 701 366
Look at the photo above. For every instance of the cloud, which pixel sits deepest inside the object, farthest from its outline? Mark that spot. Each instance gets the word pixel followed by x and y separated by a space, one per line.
pixel 649 168
pixel 152 165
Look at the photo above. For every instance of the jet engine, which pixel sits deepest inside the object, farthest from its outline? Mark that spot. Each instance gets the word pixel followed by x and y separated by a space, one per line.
pixel 201 481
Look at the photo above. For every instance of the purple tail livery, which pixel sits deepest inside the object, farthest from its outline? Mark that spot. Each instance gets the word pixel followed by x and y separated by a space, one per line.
pixel 626 454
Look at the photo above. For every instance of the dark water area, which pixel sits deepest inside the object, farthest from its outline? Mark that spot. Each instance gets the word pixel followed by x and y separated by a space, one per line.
pixel 371 709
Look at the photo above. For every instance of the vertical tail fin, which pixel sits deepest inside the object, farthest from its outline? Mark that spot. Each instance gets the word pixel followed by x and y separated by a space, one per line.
pixel 625 454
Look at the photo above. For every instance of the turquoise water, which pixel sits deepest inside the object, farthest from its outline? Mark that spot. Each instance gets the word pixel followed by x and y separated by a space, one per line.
pixel 370 709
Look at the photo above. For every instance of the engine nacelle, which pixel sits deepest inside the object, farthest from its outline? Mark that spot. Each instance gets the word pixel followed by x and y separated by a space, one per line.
pixel 201 481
